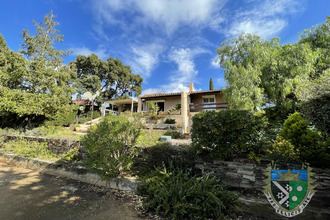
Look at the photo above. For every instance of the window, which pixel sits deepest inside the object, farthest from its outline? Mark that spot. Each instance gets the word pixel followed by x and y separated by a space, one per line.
pixel 207 100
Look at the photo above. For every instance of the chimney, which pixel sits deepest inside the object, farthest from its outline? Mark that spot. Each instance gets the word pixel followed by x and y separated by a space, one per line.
pixel 191 87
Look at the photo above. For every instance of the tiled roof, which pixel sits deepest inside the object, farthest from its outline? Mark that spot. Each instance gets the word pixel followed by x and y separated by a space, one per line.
pixel 80 102
pixel 207 91
pixel 160 94
pixel 178 93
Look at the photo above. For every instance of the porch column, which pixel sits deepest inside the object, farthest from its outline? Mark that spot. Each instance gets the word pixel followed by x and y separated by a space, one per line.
pixel 120 108
pixel 184 112
pixel 139 104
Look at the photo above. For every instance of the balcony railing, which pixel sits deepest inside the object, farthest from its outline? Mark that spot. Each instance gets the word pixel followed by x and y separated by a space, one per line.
pixel 208 106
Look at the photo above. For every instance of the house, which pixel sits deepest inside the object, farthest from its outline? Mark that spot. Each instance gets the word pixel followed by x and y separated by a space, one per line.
pixel 191 102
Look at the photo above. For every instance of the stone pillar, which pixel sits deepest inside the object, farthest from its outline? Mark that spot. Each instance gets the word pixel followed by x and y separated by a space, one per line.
pixel 184 112
pixel 139 104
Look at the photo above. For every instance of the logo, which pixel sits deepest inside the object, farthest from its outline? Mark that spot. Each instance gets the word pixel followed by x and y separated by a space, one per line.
pixel 289 190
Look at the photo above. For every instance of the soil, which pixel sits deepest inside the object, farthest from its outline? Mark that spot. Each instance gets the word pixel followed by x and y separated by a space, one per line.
pixel 28 194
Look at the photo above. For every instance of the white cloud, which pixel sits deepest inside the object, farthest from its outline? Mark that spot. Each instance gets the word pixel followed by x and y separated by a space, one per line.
pixel 100 52
pixel 166 15
pixel 264 17
pixel 214 63
pixel 143 59
pixel 151 91
pixel 186 69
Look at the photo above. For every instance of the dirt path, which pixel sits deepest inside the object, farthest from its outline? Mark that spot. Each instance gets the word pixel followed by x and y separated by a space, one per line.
pixel 27 194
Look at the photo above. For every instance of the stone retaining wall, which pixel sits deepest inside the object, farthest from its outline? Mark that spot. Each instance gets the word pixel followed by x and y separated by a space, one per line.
pixel 248 176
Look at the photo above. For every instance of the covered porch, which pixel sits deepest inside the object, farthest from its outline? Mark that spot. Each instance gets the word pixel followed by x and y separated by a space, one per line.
pixel 123 105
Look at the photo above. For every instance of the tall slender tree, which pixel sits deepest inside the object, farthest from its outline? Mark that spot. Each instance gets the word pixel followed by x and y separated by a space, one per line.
pixel 211 87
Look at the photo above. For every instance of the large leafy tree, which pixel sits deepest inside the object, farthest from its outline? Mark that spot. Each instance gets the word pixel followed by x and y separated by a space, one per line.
pixel 112 78
pixel 36 82
pixel 260 72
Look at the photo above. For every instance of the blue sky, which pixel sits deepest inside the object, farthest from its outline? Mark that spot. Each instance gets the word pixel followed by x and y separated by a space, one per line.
pixel 168 42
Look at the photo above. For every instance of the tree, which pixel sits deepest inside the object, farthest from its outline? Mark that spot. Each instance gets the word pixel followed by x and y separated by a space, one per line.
pixel 111 77
pixel 12 67
pixel 211 84
pixel 260 72
pixel 38 84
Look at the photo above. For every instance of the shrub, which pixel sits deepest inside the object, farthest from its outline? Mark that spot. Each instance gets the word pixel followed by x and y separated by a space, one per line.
pixel 283 151
pixel 174 134
pixel 169 121
pixel 179 196
pixel 148 138
pixel 31 149
pixel 111 145
pixel 86 117
pixel 64 118
pixel 165 154
pixel 307 141
pixel 317 111
pixel 226 134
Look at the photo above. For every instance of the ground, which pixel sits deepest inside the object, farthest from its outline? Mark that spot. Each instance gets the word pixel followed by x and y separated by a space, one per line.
pixel 27 194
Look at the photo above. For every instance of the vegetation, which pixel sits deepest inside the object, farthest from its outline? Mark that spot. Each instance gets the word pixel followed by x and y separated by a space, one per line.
pixel 226 134
pixel 41 86
pixel 148 138
pixel 211 87
pixel 31 149
pixel 169 121
pixel 174 134
pixel 112 78
pixel 259 72
pixel 179 195
pixel 110 145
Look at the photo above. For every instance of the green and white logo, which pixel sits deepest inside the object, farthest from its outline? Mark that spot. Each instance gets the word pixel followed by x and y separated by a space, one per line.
pixel 289 191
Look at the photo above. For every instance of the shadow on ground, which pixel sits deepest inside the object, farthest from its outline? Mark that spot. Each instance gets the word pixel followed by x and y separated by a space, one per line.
pixel 27 194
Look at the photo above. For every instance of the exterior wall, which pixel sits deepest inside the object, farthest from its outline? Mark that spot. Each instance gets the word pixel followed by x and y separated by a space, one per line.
pixel 198 98
pixel 169 101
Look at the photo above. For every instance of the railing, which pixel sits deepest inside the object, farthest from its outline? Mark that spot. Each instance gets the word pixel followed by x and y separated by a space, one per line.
pixel 208 106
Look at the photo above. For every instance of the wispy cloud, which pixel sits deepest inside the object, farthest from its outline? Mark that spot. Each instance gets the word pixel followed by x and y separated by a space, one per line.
pixel 101 52
pixel 143 59
pixel 186 70
pixel 264 17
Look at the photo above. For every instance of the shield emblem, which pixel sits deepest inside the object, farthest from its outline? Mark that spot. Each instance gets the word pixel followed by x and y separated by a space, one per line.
pixel 289 191
pixel 289 187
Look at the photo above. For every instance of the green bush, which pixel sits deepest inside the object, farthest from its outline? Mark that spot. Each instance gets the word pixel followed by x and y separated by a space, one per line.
pixel 317 111
pixel 226 134
pixel 86 117
pixel 169 121
pixel 177 195
pixel 111 145
pixel 307 141
pixel 283 151
pixel 165 154
pixel 31 149
pixel 174 134
pixel 64 118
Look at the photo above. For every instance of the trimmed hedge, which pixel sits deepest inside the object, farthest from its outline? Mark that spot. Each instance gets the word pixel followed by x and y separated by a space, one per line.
pixel 226 134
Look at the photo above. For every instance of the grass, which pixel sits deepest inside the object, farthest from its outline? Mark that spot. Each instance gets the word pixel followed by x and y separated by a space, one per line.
pixel 30 149
pixel 149 138
pixel 44 131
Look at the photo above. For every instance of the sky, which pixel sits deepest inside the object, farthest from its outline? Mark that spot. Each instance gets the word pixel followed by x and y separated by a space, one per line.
pixel 170 43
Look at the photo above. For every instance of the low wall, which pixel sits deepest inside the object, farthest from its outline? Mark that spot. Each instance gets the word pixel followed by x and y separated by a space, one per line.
pixel 79 173
pixel 250 177
pixel 57 146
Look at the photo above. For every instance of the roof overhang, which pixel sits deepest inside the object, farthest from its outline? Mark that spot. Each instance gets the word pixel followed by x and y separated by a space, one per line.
pixel 122 101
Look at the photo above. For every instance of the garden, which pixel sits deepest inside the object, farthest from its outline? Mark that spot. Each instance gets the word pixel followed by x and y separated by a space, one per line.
pixel 280 113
